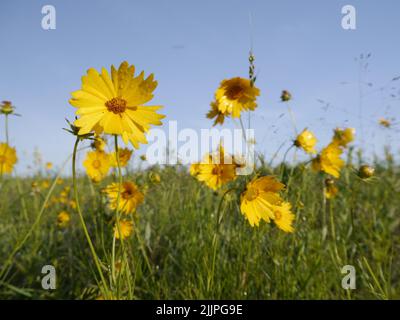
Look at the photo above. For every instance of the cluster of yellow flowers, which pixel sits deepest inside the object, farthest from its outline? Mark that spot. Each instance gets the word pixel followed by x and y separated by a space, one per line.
pixel 8 158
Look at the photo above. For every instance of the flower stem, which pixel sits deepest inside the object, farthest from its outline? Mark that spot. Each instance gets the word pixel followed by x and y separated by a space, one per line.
pixel 82 220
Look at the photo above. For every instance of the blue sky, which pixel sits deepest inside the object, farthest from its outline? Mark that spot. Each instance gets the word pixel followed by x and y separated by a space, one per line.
pixel 191 46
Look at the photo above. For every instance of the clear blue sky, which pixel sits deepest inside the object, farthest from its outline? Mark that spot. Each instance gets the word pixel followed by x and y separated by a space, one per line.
pixel 190 46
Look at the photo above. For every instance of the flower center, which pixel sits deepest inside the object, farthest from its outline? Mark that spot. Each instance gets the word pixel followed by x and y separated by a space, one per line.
pixel 96 164
pixel 234 92
pixel 116 105
pixel 251 194
pixel 3 159
pixel 127 193
pixel 217 171
pixel 278 215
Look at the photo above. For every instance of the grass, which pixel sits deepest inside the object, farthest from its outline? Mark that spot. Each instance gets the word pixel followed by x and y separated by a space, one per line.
pixel 171 254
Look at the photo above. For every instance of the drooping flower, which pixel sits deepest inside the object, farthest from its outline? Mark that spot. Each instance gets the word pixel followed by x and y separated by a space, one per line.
pixel 6 108
pixel 126 229
pixel 283 217
pixel 115 104
pixel 343 136
pixel 329 160
pixel 330 188
pixel 49 166
pixel 8 158
pixel 97 165
pixel 99 143
pixel 261 201
pixel 216 169
pixel 216 113
pixel 63 219
pixel 130 196
pixel 124 156
pixel 307 141
pixel 236 95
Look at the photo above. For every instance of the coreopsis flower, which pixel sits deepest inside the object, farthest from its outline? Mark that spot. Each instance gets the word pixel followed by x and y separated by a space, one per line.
pixel 8 158
pixel 124 156
pixel 236 95
pixel 330 188
pixel 285 96
pixel 143 157
pixel 343 136
pixel 99 143
pixel 154 177
pixel 216 113
pixel 261 201
pixel 329 160
pixel 49 166
pixel 63 219
pixel 126 229
pixel 130 196
pixel 307 141
pixel 97 165
pixel 215 170
pixel 385 122
pixel 6 108
pixel 45 184
pixel 115 104
pixel 366 171
pixel 283 217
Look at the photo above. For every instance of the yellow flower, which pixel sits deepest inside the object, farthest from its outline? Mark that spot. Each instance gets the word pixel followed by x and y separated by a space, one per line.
pixel 330 189
pixel 72 204
pixel 49 166
pixel 344 136
pixel 63 219
pixel 154 177
pixel 45 184
pixel 385 123
pixel 126 228
pixel 307 141
pixel 260 199
pixel 235 95
pixel 285 96
pixel 7 108
pixel 366 171
pixel 124 156
pixel 216 113
pixel 60 181
pixel 130 197
pixel 97 165
pixel 215 170
pixel 8 158
pixel 283 217
pixel 115 104
pixel 329 160
pixel 99 143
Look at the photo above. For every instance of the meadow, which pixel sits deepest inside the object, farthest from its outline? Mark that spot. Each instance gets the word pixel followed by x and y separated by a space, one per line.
pixel 118 231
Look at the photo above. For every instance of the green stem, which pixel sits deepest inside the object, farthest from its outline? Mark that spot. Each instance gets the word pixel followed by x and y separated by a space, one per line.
pixel 82 220
pixel 6 128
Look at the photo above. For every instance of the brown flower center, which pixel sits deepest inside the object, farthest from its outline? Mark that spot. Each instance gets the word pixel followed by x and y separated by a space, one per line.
pixel 217 171
pixel 2 159
pixel 234 92
pixel 96 164
pixel 278 215
pixel 116 105
pixel 128 193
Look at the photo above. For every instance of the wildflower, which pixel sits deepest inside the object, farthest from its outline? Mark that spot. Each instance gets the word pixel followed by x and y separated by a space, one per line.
pixel 286 96
pixel 329 160
pixel 283 217
pixel 49 166
pixel 97 165
pixel 72 204
pixel 344 136
pixel 307 141
pixel 235 95
pixel 126 228
pixel 366 171
pixel 216 113
pixel 35 187
pixel 261 200
pixel 143 157
pixel 63 219
pixel 98 143
pixel 130 196
pixel 385 123
pixel 330 188
pixel 60 181
pixel 45 184
pixel 7 108
pixel 216 169
pixel 8 158
pixel 115 104
pixel 124 156
pixel 154 177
